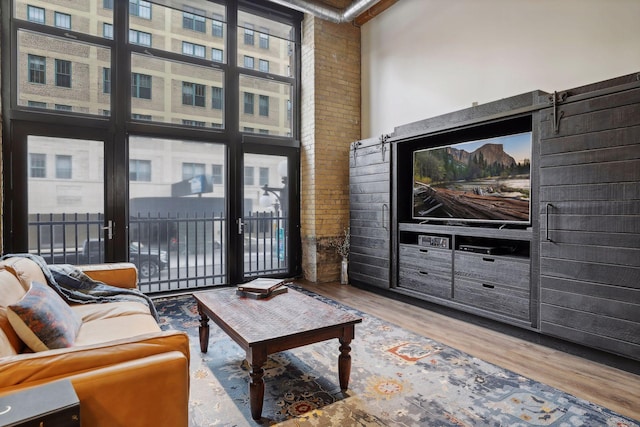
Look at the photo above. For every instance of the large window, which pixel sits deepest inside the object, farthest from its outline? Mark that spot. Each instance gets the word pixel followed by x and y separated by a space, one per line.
pixel 157 76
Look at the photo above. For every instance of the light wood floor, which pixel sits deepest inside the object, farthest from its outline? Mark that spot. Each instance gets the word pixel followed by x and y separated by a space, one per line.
pixel 612 388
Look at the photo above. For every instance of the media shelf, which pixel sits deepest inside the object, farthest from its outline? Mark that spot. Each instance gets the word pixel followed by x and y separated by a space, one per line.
pixel 486 271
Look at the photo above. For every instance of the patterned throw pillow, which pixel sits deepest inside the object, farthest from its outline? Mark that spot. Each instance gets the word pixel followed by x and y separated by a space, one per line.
pixel 43 320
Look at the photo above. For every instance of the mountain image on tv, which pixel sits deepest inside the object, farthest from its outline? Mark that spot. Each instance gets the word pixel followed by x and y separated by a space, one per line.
pixel 476 181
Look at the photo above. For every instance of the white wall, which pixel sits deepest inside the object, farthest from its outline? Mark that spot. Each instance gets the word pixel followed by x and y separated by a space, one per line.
pixel 423 58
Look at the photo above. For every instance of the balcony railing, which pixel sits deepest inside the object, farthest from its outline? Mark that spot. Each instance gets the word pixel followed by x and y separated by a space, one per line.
pixel 172 253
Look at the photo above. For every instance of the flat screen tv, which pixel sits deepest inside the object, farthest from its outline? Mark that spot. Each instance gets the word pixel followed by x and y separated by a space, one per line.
pixel 484 181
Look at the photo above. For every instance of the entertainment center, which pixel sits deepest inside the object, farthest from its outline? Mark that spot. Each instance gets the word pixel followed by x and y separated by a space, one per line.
pixel 524 210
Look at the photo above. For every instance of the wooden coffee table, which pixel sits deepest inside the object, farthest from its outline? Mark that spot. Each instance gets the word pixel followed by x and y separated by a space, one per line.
pixel 267 326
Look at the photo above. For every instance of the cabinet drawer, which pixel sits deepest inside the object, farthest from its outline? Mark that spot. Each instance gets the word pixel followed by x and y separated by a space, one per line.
pixel 510 271
pixel 506 300
pixel 425 282
pixel 426 259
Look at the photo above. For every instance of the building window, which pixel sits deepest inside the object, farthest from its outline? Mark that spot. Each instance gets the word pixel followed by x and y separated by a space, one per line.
pixel 107 4
pixel 194 21
pixel 107 31
pixel 248 103
pixel 217 99
pixel 37 165
pixel 248 129
pixel 146 117
pixel 195 123
pixel 248 62
pixel 264 176
pixel 36 14
pixel 37 104
pixel 62 20
pixel 216 55
pixel 264 40
pixel 193 94
pixel 193 49
pixel 37 67
pixel 140 8
pixel 62 107
pixel 141 86
pixel 217 27
pixel 216 125
pixel 189 170
pixel 248 175
pixel 264 106
pixel 216 174
pixel 106 80
pixel 140 170
pixel 140 38
pixel 248 35
pixel 264 65
pixel 63 73
pixel 263 131
pixel 63 167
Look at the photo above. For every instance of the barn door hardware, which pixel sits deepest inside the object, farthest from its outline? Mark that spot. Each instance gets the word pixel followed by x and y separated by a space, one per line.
pixel 557 98
pixel 355 146
pixel 383 147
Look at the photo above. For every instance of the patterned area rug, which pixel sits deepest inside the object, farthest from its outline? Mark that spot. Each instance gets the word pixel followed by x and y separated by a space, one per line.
pixel 397 379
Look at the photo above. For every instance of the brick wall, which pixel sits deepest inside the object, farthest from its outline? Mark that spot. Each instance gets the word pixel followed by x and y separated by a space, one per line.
pixel 330 122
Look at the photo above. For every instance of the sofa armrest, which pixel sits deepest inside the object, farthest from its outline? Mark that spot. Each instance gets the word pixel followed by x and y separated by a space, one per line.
pixel 149 391
pixel 120 274
pixel 54 364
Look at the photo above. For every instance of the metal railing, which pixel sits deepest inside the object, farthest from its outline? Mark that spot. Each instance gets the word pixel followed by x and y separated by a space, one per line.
pixel 171 252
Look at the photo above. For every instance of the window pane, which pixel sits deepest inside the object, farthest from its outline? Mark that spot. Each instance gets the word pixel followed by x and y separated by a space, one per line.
pixel 65 205
pixel 85 17
pixel 274 46
pixel 75 74
pixel 271 114
pixel 188 87
pixel 188 32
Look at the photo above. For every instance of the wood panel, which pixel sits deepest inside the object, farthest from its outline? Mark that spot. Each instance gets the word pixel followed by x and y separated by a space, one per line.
pixel 370 199
pixel 590 211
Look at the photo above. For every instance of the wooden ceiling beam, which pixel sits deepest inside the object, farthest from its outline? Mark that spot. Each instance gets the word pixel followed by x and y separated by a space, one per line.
pixel 374 11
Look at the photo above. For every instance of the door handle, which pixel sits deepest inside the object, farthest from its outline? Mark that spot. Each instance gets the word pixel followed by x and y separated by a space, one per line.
pixel 109 228
pixel 240 225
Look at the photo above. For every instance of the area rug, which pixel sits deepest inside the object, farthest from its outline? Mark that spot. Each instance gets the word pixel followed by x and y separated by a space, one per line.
pixel 398 378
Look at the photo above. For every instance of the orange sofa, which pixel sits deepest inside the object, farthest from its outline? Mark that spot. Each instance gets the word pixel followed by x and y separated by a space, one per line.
pixel 125 370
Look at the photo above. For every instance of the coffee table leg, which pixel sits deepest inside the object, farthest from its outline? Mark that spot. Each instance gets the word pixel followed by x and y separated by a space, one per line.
pixel 256 358
pixel 344 360
pixel 203 329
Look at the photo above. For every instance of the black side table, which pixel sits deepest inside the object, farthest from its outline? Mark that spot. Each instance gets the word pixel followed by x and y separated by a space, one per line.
pixel 53 404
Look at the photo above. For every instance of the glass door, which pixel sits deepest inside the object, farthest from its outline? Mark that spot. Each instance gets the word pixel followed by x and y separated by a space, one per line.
pixel 268 240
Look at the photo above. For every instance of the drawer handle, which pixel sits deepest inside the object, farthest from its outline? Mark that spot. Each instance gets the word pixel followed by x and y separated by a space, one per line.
pixel 424 251
pixel 484 285
pixel 488 259
pixel 423 272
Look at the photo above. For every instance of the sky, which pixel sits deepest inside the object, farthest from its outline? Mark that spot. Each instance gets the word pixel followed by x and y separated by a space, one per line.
pixel 517 146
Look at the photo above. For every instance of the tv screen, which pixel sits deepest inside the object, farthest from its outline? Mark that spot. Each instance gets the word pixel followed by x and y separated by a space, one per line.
pixel 485 180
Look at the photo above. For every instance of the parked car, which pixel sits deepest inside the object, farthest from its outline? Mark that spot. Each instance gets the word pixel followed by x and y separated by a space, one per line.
pixel 149 261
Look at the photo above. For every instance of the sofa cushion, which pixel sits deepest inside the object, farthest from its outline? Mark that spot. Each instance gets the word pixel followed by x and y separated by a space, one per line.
pixel 115 328
pixel 89 312
pixel 43 320
pixel 11 291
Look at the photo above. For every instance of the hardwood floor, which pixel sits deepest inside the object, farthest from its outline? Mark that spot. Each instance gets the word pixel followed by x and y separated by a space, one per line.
pixel 613 388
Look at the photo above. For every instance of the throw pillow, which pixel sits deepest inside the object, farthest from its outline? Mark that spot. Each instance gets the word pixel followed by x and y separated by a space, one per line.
pixel 43 320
